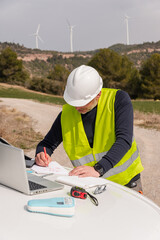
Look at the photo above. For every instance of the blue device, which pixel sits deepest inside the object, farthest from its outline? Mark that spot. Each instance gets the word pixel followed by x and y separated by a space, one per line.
pixel 59 206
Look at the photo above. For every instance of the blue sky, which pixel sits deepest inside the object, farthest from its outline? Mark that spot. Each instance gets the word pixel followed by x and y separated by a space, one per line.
pixel 98 23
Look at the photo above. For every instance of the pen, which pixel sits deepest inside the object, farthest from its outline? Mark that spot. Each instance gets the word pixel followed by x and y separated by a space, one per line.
pixel 45 154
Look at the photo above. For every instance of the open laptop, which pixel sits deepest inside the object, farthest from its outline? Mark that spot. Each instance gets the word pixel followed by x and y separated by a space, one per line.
pixel 14 175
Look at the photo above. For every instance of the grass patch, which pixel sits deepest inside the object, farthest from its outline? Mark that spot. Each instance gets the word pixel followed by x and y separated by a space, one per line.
pixel 8 91
pixel 12 92
pixel 147 106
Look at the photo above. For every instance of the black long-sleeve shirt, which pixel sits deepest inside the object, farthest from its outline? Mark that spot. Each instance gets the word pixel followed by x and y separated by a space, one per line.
pixel 123 131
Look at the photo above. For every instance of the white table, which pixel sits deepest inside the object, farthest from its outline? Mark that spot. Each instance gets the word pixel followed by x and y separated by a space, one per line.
pixel 121 214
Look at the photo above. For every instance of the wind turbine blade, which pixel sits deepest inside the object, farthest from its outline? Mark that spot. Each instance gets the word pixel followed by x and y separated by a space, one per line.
pixel 40 38
pixel 38 29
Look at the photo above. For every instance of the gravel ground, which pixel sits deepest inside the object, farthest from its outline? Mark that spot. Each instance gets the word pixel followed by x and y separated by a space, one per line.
pixel 148 142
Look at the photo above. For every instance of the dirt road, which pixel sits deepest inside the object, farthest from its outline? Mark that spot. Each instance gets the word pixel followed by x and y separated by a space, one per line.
pixel 148 142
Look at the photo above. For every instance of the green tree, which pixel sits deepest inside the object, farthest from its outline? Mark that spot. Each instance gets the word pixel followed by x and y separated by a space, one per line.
pixel 11 69
pixel 150 77
pixel 133 85
pixel 45 85
pixel 59 73
pixel 116 71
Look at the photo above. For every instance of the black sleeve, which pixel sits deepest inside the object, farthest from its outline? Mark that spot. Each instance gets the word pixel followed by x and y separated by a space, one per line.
pixel 53 137
pixel 123 130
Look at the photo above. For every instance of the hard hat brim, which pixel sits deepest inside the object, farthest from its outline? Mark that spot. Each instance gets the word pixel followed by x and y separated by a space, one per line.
pixel 80 102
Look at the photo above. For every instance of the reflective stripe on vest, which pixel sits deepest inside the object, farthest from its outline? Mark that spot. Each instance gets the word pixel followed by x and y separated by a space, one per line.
pixel 89 158
pixel 83 161
pixel 77 147
pixel 123 167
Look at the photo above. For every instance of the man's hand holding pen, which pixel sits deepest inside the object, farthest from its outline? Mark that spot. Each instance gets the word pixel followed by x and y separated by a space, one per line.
pixel 43 159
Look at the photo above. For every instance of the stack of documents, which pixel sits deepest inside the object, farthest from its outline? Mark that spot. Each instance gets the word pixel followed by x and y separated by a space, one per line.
pixel 53 167
pixel 57 169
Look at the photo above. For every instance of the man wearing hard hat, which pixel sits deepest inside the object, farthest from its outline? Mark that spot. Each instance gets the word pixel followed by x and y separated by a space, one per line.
pixel 96 127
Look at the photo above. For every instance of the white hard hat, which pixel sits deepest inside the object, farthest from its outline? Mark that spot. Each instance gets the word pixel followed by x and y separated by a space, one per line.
pixel 83 84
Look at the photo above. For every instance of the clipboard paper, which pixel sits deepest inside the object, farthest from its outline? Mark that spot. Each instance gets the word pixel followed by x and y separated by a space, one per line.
pixel 84 182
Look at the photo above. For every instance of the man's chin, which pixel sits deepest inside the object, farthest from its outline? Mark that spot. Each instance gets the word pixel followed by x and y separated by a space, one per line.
pixel 83 111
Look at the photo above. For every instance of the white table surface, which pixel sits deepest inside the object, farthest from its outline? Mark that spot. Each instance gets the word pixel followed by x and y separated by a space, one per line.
pixel 122 214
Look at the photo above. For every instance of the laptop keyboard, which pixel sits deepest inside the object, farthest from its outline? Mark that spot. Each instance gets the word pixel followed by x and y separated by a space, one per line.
pixel 34 186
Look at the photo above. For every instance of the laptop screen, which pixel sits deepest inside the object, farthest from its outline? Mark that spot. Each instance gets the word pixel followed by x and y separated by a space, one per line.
pixel 13 172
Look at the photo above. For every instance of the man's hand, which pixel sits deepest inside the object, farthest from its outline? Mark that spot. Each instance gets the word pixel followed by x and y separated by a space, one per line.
pixel 41 160
pixel 84 171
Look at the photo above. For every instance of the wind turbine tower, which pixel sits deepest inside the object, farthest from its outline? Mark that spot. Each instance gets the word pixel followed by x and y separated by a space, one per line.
pixel 127 29
pixel 71 35
pixel 36 34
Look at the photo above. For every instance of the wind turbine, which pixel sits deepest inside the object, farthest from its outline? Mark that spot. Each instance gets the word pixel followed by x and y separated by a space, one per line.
pixel 127 29
pixel 36 34
pixel 71 35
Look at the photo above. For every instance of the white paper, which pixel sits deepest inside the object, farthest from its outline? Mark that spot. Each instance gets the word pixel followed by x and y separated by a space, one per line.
pixel 53 167
pixel 84 182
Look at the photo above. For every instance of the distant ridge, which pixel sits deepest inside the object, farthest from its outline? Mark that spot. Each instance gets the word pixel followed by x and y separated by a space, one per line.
pixel 136 53
pixel 21 49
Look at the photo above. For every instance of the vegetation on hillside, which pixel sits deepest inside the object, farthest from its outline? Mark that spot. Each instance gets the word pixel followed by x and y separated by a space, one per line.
pixel 123 48
pixel 21 50
pixel 137 52
pixel 50 75
pixel 119 72
pixel 116 71
pixel 11 69
pixel 71 62
pixel 54 83
pixel 37 68
pixel 150 77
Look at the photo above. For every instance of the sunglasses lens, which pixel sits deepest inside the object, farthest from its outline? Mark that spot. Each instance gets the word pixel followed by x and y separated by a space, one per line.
pixel 100 189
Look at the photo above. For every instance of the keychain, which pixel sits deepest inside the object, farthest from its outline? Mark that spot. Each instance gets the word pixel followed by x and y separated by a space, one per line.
pixel 81 193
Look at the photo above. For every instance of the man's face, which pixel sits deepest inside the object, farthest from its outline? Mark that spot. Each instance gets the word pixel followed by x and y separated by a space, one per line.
pixel 88 107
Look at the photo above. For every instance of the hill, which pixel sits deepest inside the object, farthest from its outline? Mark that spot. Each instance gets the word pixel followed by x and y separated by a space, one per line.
pixel 39 62
pixel 137 52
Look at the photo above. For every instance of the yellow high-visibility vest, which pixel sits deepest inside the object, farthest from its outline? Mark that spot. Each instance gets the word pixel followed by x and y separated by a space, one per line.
pixel 77 147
